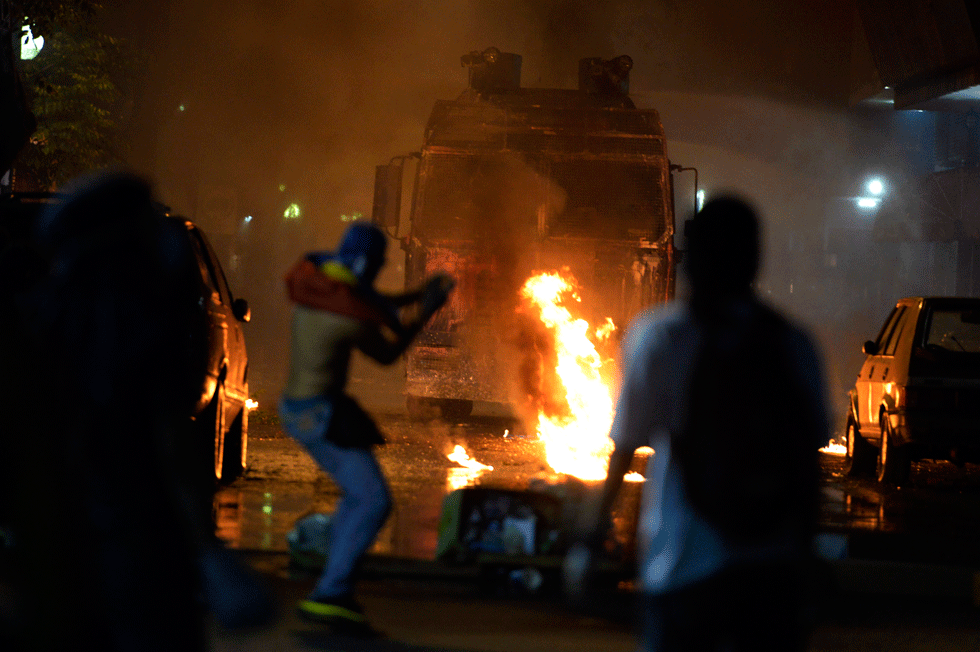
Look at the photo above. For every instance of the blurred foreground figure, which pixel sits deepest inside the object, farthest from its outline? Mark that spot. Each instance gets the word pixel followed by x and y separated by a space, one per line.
pixel 110 521
pixel 337 310
pixel 730 396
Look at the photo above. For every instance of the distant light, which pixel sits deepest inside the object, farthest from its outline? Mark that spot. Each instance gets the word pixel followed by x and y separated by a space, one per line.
pixel 182 108
pixel 876 186
pixel 248 218
pixel 291 212
pixel 700 199
pixel 868 203
pixel 282 187
pixel 353 217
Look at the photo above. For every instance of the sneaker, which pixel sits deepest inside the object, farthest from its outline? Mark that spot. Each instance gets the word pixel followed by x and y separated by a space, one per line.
pixel 342 610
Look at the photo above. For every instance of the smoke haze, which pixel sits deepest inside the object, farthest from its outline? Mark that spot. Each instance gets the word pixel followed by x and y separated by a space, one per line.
pixel 250 106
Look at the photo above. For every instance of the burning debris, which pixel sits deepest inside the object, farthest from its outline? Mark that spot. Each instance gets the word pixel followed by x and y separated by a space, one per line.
pixel 575 404
pixel 467 472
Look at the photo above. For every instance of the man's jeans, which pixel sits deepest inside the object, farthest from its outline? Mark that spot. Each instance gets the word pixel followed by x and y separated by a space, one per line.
pixel 366 501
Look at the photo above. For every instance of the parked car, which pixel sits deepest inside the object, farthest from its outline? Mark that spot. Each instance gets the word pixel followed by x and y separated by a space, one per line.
pixel 917 395
pixel 214 356
pixel 221 409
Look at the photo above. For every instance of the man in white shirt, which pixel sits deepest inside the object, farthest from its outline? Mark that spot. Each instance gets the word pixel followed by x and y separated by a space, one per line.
pixel 702 586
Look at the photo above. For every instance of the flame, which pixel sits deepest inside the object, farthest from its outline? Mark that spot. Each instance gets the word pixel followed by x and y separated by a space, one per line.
pixel 461 457
pixel 250 404
pixel 577 438
pixel 833 448
pixel 469 469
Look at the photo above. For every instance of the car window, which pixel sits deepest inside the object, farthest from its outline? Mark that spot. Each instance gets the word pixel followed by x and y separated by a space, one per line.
pixel 204 262
pixel 886 331
pixel 219 273
pixel 896 335
pixel 954 330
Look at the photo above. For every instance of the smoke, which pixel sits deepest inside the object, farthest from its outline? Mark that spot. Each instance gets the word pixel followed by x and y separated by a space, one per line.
pixel 295 101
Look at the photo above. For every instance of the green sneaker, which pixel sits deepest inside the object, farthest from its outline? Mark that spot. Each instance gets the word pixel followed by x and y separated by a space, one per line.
pixel 332 611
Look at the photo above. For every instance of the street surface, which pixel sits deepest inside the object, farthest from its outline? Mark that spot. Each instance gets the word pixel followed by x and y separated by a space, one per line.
pixel 941 505
pixel 423 606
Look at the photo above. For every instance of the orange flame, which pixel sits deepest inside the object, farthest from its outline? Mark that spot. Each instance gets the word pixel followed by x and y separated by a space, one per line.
pixel 577 440
pixel 468 471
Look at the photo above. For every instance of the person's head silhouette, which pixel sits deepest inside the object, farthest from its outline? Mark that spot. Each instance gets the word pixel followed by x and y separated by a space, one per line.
pixel 722 255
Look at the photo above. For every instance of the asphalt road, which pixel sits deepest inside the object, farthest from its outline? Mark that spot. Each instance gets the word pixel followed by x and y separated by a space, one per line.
pixel 901 575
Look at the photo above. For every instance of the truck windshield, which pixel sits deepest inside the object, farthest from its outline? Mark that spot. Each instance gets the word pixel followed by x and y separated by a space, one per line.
pixel 469 197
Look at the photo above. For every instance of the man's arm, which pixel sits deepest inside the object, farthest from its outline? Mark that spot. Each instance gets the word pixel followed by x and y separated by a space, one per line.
pixel 386 350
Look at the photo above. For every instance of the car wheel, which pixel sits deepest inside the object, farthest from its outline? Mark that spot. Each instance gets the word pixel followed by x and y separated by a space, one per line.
pixel 861 455
pixel 214 430
pixel 235 448
pixel 894 464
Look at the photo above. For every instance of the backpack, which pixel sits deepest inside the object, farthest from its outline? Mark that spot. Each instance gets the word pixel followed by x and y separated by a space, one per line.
pixel 744 455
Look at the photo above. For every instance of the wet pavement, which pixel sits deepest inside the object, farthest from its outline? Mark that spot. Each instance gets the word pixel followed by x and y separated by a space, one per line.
pixel 940 504
pixel 282 484
pixel 900 573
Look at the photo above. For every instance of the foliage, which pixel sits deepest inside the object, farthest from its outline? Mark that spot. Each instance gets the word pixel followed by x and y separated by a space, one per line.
pixel 74 90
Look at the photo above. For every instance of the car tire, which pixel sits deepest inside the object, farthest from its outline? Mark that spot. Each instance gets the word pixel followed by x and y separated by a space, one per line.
pixel 235 448
pixel 213 430
pixel 894 463
pixel 861 457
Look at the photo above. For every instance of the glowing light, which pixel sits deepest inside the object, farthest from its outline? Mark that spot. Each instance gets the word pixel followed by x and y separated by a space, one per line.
pixel 282 187
pixel 353 217
pixel 292 212
pixel 248 218
pixel 250 404
pixel 876 186
pixel 181 108
pixel 577 441
pixel 868 203
pixel 700 199
pixel 633 476
pixel 30 45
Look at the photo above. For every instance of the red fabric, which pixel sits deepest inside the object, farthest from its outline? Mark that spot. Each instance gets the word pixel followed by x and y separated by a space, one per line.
pixel 309 287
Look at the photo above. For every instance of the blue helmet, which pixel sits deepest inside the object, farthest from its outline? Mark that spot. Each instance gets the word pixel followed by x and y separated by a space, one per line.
pixel 362 251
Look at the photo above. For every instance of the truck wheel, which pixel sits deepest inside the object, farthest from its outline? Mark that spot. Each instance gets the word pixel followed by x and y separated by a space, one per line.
pixel 421 408
pixel 894 463
pixel 455 409
pixel 861 455
pixel 235 448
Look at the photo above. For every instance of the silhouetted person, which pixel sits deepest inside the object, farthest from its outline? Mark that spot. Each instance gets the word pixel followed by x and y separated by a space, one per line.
pixel 338 311
pixel 107 514
pixel 730 396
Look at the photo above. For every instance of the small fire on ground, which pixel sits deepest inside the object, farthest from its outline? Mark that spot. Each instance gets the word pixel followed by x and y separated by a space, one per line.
pixel 833 448
pixel 468 470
